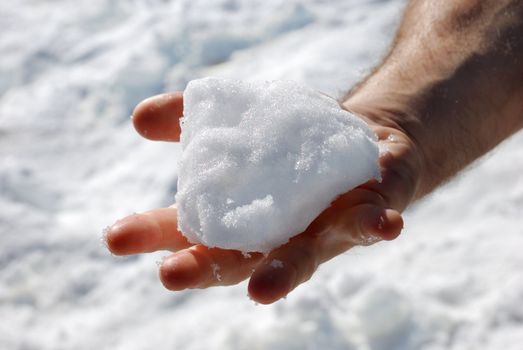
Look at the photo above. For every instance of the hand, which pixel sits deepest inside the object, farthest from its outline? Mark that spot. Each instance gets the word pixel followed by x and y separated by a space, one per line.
pixel 363 216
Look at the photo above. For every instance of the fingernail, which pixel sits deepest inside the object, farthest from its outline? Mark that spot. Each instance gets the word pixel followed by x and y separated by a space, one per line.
pixel 178 272
pixel 270 284
pixel 127 236
pixel 370 227
pixel 124 221
pixel 103 238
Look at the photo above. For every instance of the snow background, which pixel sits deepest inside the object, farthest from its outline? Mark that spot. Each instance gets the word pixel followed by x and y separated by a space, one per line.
pixel 70 164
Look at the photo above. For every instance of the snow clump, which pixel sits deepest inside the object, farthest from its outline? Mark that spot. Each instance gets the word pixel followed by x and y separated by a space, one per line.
pixel 261 160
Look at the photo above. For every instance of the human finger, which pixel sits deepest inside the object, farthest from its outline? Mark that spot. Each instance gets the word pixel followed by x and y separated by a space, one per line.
pixel 294 263
pixel 157 118
pixel 202 267
pixel 150 231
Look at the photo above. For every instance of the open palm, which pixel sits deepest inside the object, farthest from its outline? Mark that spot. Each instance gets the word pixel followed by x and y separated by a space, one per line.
pixel 363 216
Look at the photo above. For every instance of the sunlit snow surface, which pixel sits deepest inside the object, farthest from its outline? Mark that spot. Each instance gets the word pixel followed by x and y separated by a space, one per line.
pixel 70 164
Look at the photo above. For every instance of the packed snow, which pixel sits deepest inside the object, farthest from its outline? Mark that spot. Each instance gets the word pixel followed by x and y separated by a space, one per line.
pixel 70 164
pixel 261 160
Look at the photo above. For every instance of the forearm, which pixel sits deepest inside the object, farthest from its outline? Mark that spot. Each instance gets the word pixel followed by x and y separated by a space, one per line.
pixel 453 81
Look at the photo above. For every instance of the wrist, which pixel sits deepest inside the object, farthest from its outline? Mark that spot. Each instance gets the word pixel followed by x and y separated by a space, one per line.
pixel 402 161
pixel 451 85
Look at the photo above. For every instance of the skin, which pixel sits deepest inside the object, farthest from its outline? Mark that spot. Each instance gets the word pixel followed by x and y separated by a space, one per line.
pixel 450 89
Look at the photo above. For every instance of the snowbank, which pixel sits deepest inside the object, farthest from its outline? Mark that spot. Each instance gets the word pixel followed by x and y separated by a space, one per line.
pixel 70 164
